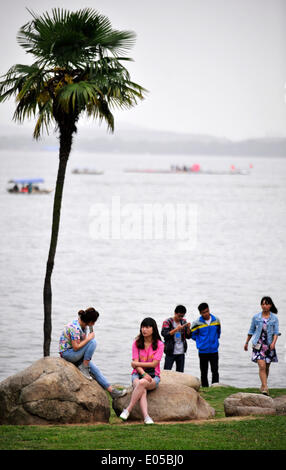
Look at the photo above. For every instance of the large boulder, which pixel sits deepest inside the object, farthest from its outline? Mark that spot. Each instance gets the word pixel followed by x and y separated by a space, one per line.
pixel 280 404
pixel 244 404
pixel 169 402
pixel 171 377
pixel 52 391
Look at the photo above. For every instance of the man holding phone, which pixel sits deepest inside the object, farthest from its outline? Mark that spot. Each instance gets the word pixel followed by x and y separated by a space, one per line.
pixel 176 331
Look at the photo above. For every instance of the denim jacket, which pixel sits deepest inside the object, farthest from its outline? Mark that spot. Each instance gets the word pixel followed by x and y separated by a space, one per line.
pixel 257 324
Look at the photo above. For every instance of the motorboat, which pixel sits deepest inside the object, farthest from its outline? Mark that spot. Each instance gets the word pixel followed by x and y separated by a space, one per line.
pixel 86 171
pixel 27 186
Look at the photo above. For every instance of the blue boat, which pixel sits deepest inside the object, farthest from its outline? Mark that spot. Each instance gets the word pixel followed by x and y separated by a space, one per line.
pixel 27 186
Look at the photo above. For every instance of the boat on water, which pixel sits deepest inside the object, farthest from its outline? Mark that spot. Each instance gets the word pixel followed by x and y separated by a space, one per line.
pixel 27 186
pixel 137 170
pixel 206 172
pixel 86 171
pixel 193 170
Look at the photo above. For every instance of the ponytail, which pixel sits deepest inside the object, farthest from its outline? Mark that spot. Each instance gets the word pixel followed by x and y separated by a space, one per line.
pixel 88 315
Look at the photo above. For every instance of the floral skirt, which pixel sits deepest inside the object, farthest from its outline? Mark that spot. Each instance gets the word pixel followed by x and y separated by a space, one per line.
pixel 264 354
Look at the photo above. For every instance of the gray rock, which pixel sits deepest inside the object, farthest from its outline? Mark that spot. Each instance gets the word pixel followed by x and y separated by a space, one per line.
pixel 169 402
pixel 52 391
pixel 172 377
pixel 244 404
pixel 280 405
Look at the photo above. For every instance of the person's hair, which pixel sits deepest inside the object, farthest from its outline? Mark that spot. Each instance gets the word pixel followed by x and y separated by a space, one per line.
pixel 203 306
pixel 155 335
pixel 88 315
pixel 180 309
pixel 269 301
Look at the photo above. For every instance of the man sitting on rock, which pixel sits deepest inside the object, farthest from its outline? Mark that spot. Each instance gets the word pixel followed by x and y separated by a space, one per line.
pixel 175 331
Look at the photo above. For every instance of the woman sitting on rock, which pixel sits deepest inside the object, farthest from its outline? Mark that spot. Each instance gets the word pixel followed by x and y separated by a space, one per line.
pixel 77 345
pixel 147 351
pixel 264 330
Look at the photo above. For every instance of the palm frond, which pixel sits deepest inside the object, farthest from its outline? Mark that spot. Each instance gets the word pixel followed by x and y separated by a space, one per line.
pixel 20 79
pixel 77 96
pixel 45 117
pixel 26 107
pixel 75 38
pixel 101 112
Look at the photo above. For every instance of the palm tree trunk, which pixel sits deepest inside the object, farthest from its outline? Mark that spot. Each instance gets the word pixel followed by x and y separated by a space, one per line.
pixel 65 148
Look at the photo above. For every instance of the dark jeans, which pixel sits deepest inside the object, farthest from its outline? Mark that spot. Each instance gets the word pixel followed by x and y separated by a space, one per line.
pixel 179 359
pixel 205 359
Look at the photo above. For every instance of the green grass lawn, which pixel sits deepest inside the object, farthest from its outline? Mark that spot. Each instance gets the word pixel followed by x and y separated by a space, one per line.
pixel 253 433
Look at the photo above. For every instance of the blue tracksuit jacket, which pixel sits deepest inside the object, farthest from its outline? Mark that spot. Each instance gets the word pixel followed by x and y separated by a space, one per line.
pixel 206 336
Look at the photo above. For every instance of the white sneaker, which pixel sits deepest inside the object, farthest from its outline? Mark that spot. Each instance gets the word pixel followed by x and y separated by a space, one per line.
pixel 85 371
pixel 118 393
pixel 148 420
pixel 124 415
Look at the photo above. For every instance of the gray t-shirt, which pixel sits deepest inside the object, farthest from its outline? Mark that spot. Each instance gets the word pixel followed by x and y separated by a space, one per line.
pixel 179 345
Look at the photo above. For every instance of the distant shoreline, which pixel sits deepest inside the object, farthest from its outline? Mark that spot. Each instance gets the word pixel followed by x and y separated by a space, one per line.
pixel 172 144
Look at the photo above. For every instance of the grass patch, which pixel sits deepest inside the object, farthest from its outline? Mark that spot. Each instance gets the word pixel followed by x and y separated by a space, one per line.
pixel 254 433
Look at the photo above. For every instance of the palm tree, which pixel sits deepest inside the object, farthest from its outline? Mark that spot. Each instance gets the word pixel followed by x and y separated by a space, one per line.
pixel 78 69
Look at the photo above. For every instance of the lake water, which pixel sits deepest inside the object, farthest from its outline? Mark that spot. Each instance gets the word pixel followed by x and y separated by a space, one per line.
pixel 233 254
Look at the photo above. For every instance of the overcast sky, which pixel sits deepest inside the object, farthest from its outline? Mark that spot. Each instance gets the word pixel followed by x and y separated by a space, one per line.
pixel 211 66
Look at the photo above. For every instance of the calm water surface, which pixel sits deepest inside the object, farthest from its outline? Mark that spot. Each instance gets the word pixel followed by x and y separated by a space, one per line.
pixel 235 256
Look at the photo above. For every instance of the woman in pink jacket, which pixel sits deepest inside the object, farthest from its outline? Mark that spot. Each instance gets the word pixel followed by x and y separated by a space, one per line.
pixel 147 351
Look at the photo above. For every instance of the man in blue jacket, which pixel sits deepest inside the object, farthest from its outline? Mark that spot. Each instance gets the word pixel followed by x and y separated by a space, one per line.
pixel 206 332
